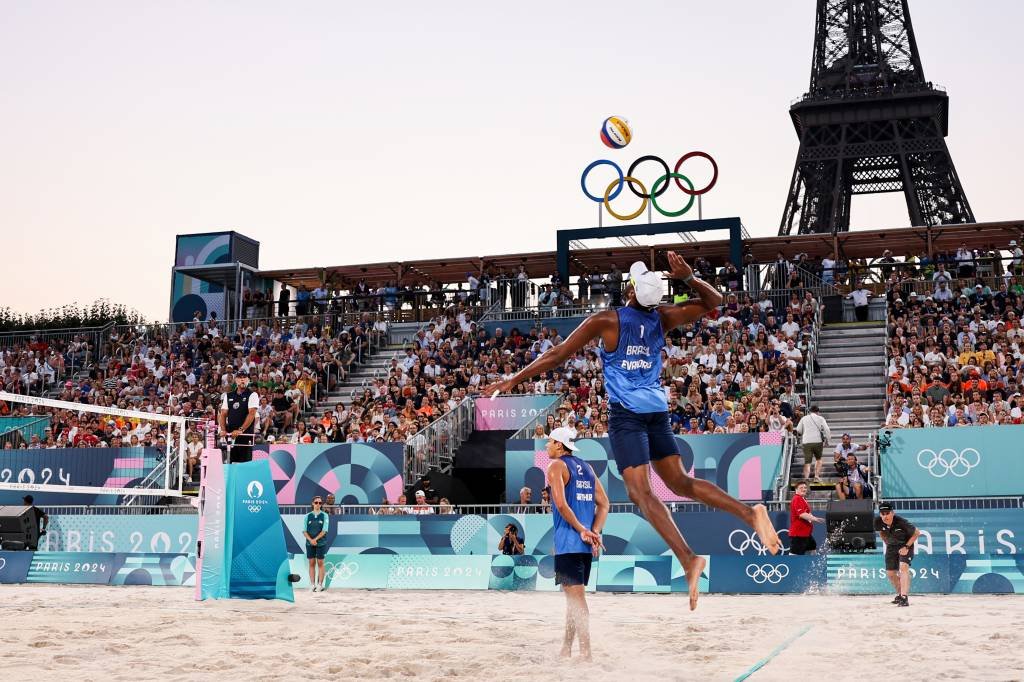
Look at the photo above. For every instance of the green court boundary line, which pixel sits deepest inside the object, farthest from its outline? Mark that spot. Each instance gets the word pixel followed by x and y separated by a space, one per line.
pixel 775 652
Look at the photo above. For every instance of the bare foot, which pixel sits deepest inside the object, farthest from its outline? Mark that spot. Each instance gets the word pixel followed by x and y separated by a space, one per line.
pixel 693 571
pixel 566 652
pixel 765 530
pixel 585 656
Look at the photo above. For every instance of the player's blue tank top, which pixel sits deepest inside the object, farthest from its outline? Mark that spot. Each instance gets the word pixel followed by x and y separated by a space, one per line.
pixel 579 495
pixel 632 374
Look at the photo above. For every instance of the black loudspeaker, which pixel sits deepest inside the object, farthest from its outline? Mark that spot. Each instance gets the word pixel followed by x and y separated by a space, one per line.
pixel 850 525
pixel 833 308
pixel 18 524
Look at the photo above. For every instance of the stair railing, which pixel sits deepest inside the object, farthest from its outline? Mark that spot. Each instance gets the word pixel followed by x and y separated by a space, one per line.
pixel 432 447
pixel 875 472
pixel 812 357
pixel 782 480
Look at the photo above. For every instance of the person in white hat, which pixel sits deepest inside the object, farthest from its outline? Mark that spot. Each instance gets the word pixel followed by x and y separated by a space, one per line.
pixel 641 436
pixel 580 508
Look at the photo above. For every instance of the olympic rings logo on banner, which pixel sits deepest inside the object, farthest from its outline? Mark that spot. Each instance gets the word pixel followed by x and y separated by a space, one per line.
pixel 659 187
pixel 959 464
pixel 342 570
pixel 767 573
pixel 751 541
pixel 255 508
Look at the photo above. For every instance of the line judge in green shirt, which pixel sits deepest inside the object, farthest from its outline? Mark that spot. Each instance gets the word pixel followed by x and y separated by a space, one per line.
pixel 315 530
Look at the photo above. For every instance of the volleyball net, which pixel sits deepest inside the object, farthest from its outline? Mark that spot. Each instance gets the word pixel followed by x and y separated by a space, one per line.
pixel 117 455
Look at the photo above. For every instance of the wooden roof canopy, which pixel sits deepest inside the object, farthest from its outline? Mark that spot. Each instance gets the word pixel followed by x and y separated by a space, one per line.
pixel 862 244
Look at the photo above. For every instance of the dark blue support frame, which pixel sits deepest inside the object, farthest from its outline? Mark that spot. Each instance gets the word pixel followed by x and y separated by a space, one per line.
pixel 731 224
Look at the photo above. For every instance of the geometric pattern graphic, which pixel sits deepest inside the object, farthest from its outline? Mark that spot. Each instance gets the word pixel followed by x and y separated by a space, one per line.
pixel 723 574
pixel 744 465
pixel 997 532
pixel 190 294
pixel 646 574
pixel 355 473
pixel 100 568
pixel 108 467
pixel 154 569
pixel 254 538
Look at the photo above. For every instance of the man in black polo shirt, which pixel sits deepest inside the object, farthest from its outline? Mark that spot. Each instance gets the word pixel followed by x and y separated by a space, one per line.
pixel 238 417
pixel 899 536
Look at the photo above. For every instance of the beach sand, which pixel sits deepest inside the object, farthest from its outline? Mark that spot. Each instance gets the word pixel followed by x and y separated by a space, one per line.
pixel 153 633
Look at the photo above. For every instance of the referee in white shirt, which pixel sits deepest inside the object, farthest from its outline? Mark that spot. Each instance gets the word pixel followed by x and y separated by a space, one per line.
pixel 238 417
pixel 861 298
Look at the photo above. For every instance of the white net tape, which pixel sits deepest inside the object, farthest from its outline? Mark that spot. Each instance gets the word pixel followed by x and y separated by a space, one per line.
pixel 54 446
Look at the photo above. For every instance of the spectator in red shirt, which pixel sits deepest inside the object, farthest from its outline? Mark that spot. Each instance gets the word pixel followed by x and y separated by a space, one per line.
pixel 801 520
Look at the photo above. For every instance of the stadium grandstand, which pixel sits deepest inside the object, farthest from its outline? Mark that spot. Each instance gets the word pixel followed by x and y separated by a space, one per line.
pixel 388 352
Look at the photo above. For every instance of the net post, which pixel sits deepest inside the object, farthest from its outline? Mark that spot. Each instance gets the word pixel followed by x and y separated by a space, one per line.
pixel 183 431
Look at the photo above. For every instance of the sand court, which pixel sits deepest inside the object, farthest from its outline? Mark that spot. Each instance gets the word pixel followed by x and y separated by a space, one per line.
pixel 136 633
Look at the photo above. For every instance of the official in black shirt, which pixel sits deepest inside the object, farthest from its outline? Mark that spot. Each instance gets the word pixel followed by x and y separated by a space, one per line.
pixel 39 518
pixel 238 417
pixel 899 536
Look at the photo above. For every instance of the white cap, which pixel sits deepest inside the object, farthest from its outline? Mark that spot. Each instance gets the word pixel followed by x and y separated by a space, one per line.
pixel 565 436
pixel 646 284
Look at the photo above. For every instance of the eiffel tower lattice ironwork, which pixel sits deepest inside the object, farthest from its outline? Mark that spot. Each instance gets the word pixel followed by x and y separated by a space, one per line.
pixel 870 123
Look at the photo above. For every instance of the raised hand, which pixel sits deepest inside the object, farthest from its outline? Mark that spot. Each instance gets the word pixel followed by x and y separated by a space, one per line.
pixel 678 268
pixel 493 390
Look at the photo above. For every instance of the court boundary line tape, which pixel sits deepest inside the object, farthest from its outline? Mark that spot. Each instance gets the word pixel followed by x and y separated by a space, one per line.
pixel 775 652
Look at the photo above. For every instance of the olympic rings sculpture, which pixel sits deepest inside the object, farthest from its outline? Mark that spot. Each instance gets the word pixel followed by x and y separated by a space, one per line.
pixel 627 179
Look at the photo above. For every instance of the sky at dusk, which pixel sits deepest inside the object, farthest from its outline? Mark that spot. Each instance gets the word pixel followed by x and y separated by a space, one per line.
pixel 337 133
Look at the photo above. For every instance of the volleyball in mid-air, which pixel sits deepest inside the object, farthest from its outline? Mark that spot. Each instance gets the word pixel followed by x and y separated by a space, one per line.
pixel 615 132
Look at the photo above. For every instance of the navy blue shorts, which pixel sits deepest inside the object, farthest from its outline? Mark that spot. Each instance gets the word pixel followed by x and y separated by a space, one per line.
pixel 639 438
pixel 317 551
pixel 573 569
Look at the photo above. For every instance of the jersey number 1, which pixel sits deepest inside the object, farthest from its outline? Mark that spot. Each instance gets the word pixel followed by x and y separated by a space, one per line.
pixel 641 331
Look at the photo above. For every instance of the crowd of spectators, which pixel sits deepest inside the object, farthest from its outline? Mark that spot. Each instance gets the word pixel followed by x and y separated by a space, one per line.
pixel 30 367
pixel 183 370
pixel 956 348
pixel 734 371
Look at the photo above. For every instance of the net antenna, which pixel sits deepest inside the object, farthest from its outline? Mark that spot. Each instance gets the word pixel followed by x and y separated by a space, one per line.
pixel 38 452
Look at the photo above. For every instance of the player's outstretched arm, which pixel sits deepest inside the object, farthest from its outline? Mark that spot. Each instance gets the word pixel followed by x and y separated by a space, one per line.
pixel 673 316
pixel 594 326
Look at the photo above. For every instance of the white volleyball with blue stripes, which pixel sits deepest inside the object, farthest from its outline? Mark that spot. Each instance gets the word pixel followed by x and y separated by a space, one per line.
pixel 615 132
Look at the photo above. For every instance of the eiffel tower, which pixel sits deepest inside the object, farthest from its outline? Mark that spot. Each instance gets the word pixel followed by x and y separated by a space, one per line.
pixel 870 123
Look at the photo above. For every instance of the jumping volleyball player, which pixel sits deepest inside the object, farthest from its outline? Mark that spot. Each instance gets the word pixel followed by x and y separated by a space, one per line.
pixel 631 341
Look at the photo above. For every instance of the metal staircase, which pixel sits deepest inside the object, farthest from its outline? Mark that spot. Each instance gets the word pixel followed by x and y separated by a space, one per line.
pixel 373 366
pixel 849 389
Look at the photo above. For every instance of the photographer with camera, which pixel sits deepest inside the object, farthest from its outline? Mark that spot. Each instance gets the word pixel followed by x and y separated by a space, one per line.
pixel 510 543
pixel 844 449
